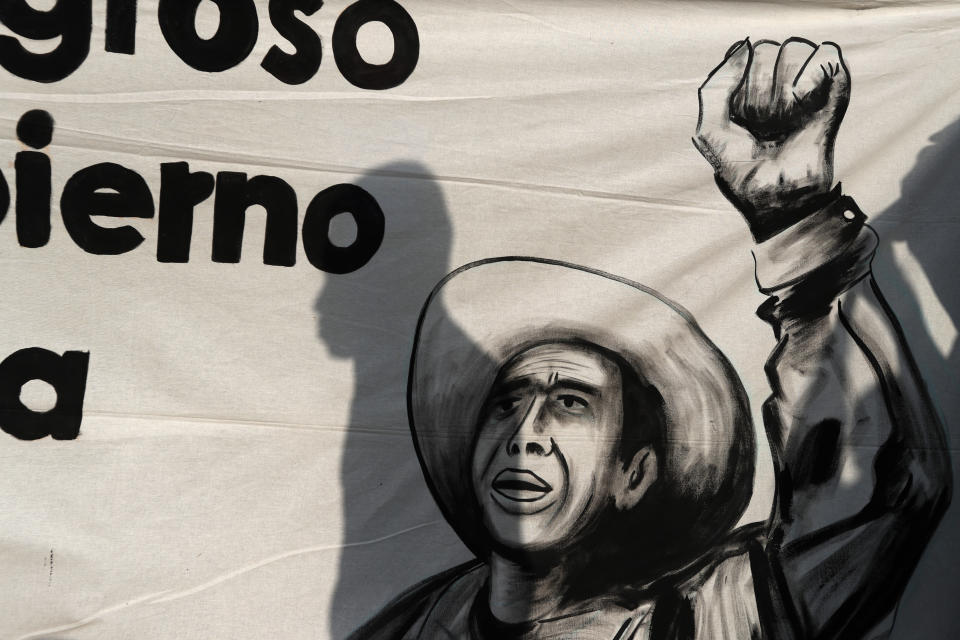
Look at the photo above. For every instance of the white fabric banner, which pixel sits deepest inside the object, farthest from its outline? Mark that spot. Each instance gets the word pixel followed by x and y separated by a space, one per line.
pixel 244 467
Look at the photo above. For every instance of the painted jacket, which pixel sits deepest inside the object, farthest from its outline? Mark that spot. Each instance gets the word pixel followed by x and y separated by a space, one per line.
pixel 862 479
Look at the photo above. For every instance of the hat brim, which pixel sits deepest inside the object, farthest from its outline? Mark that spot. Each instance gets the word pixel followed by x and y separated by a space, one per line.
pixel 486 312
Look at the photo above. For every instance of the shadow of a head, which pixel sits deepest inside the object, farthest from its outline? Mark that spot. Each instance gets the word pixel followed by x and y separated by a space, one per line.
pixel 930 189
pixel 916 263
pixel 360 314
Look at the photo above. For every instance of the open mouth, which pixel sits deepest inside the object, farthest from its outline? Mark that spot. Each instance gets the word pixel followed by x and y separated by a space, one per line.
pixel 520 485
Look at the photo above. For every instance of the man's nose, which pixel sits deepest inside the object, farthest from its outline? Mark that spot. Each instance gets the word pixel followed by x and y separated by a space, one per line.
pixel 530 436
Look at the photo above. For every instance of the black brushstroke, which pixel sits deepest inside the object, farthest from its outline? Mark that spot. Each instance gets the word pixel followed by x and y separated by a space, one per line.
pixel 69 20
pixel 231 44
pixel 66 373
pixel 406 45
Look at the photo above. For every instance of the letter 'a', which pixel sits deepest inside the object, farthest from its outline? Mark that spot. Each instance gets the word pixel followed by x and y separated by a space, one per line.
pixel 67 374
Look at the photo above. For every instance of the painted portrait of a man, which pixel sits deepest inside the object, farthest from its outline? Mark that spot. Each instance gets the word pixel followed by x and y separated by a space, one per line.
pixel 595 450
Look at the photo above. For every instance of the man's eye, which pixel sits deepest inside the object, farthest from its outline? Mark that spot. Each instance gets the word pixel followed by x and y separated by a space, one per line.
pixel 572 402
pixel 505 406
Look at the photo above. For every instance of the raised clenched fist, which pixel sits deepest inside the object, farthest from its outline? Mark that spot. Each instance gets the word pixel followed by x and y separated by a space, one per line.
pixel 769 115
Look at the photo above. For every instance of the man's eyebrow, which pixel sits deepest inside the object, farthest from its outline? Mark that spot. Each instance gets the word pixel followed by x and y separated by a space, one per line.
pixel 509 386
pixel 576 385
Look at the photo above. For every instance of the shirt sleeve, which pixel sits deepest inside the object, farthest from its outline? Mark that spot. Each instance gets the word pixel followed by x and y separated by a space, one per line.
pixel 862 470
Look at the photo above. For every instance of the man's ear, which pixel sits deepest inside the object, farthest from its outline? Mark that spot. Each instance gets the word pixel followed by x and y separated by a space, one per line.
pixel 635 479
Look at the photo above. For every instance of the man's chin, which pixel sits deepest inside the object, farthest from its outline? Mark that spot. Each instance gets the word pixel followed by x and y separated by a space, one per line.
pixel 531 554
pixel 520 535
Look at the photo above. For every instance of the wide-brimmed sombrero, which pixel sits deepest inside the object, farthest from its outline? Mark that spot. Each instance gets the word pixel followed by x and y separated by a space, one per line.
pixel 484 313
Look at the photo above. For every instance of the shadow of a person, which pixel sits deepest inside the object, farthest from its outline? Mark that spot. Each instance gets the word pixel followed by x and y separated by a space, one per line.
pixel 920 229
pixel 370 317
pixel 917 237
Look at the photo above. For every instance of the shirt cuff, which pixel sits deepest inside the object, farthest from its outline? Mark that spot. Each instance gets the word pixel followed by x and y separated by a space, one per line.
pixel 835 232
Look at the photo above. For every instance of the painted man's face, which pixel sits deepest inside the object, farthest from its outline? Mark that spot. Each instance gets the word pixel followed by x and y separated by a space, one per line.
pixel 547 445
